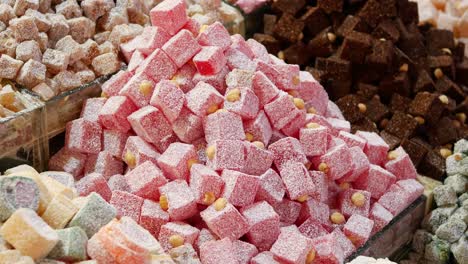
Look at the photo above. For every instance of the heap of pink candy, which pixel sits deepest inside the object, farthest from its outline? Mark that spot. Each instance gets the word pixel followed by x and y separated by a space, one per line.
pixel 208 141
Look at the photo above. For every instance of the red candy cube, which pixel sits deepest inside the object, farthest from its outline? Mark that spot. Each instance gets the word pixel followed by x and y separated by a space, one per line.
pixel 68 161
pixel 376 181
pixel 352 140
pixel 354 202
pixel 314 210
pixel 312 228
pixel 188 233
pixel 217 80
pixel 358 229
pixel 145 179
pixel 83 136
pixel 313 93
pixel 91 109
pixel 246 105
pixel 239 43
pixel 380 216
pixel 281 111
pixel 215 35
pixel 184 77
pixel 151 39
pixel 158 66
pixel 320 181
pixel 259 51
pixel 204 99
pixel 335 163
pixel 114 113
pixel 210 60
pixel 291 246
pixel 93 182
pixel 127 204
pixel 223 126
pixel 118 183
pixel 265 257
pixel 113 86
pixel 188 127
pixel 103 163
pixel 293 127
pixel 218 251
pixel 265 89
pixel 257 160
pixel 177 160
pixel 271 187
pixel 244 251
pixel 240 188
pixel 288 211
pixel 360 164
pixel 180 199
pixel 297 180
pixel 169 99
pixel 113 142
pixel 259 128
pixel 137 151
pixel 327 250
pixel 181 47
pixel 228 154
pixel 395 199
pixel 346 244
pixel 287 149
pixel 226 222
pixel 169 15
pixel 139 88
pixel 264 224
pixel 402 166
pixel 205 183
pixel 338 125
pixel 314 140
pixel 236 59
pixel 412 187
pixel 376 149
pixel 152 217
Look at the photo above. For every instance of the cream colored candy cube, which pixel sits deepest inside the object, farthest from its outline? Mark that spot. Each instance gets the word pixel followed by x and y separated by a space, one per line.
pixel 55 187
pixel 59 212
pixel 29 234
pixel 21 168
pixel 161 259
pixel 10 256
pixel 4 245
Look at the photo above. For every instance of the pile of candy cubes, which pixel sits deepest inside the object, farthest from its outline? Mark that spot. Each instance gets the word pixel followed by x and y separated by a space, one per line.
pixel 443 238
pixel 205 150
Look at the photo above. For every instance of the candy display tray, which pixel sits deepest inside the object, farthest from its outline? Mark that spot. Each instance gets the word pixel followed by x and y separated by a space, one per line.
pixel 396 236
pixel 25 136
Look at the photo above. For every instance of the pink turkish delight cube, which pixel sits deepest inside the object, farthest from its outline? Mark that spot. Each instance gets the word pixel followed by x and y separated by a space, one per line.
pixel 312 93
pixel 225 223
pixel 91 109
pixel 314 140
pixel 352 140
pixel 338 125
pixel 337 161
pixel 218 251
pixel 129 48
pixel 376 149
pixel 210 60
pixel 229 154
pixel 287 149
pixel 186 231
pixel 137 151
pixel 150 124
pixel 152 217
pixel 291 246
pixel 176 161
pixel 169 15
pixel 83 136
pixel 259 128
pixel 181 201
pixel 139 89
pixel 293 127
pixel 114 113
pixel 244 251
pixel 271 187
pixel 188 127
pixel 314 118
pixel 360 164
pixel 151 39
pixel 158 66
pixel 246 106
pixel 181 47
pixel 395 199
pixel 315 210
pixel 348 207
pixel 380 216
pixel 265 89
pixel 412 187
pixel 236 59
pixel 320 181
pixel 113 86
pixel 239 43
pixel 118 183
pixel 402 166
pixel 281 111
pixel 93 182
pixel 169 98
pixel 204 182
pixel 346 244
pixel 297 180
pixel 137 59
pixel 113 142
pixel 257 160
pixel 334 142
pixel 68 161
pixel 184 77
pixel 358 229
pixel 288 77
pixel 327 250
pixel 265 257
pixel 145 179
pixel 103 163
pixel 259 50
pixel 264 224
pixel 288 211
pixel 204 236
pixel 193 26
pixel 203 99
pixel 239 188
pixel 312 228
pixel 334 111
pixel 127 204
pixel 215 35
pixel 376 181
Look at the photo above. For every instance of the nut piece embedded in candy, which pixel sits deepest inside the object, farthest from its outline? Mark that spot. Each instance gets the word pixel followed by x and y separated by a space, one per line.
pixel 259 144
pixel 163 202
pixel 220 204
pixel 146 88
pixel 404 67
pixel 362 107
pixel 444 99
pixel 358 199
pixel 310 256
pixel 312 125
pixel 213 108
pixel 233 95
pixel 345 185
pixel 458 157
pixel 130 159
pixel 392 155
pixel 296 80
pixel 249 137
pixel 337 218
pixel 445 152
pixel 438 73
pixel 461 117
pixel 420 120
pixel 210 152
pixel 447 51
pixel 303 198
pixel 311 110
pixel 323 167
pixel 299 103
pixel 209 198
pixel 176 241
pixel 331 37
pixel 190 163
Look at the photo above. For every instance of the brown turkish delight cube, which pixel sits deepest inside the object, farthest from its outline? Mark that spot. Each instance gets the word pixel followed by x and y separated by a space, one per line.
pixel 334 67
pixel 444 132
pixel 28 50
pixel 91 50
pixel 106 64
pixel 58 28
pixel 9 67
pixel 462 71
pixel 438 39
pixel 70 46
pixel 366 91
pixel 21 6
pixel 295 54
pixel 271 43
pixel 69 9
pixel 428 106
pixel 55 60
pixel 315 20
pixel 397 83
pixel 356 46
pixel 375 110
pixel 288 6
pixel 408 11
pixel 392 141
pixel 415 149
pixel 42 23
pixel 433 165
pixel 387 30
pixel 364 124
pixel 24 28
pixel 381 57
pixel 371 13
pixel 423 82
pixel 31 74
pixel 399 103
pixel 330 6
pixel 289 28
pixel 81 28
pixel 269 22
pixel 446 86
pixel 117 16
pixel 351 23
pixel 321 45
pixel 93 9
pixel 67 80
pixel 349 107
pixel 401 125
pixel 443 62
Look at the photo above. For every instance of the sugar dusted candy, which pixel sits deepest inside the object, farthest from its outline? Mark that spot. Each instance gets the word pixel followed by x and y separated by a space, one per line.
pixel 327 249
pixel 216 80
pixel 218 251
pixel 177 160
pixel 223 219
pixel 376 181
pixel 353 201
pixel 181 47
pixel 103 163
pixel 158 66
pixel 401 166
pixel 288 211
pixel 177 198
pixel 205 183
pixel 184 254
pixel 360 164
pixel 244 251
pixel 113 86
pixel 94 213
pixel 126 204
pixel 9 66
pixel 335 163
pixel 257 159
pixel 113 142
pixel 71 245
pixel 282 110
pixel 25 223
pixel 312 228
pixel 296 178
pixel 114 113
pixel 271 187
pixel 137 151
pixel 291 246
pixel 223 125
pixel 152 217
pixel 358 229
pixel 287 149
pixel 315 210
pixel 169 98
pixel 242 101
pixel 240 188
pixel 265 257
pixel 145 179
pixel 139 89
pixel 59 212
pixel 226 154
pixel 215 35
pixel 313 139
pixel 210 60
pixel 94 182
pixel 188 127
pixel 17 192
pixel 169 15
pixel 376 148
pixel 264 224
pixel 175 234
pixel 412 187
